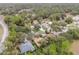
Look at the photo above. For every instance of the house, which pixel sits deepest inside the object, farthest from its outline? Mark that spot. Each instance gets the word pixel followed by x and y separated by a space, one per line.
pixel 76 20
pixel 26 46
pixel 68 14
pixel 35 22
pixel 46 26
pixel 37 39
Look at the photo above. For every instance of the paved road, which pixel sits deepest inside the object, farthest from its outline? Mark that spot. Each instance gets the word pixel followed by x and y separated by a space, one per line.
pixel 5 33
pixel 5 29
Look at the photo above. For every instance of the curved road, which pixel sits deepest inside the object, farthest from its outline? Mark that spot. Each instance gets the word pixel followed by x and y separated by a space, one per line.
pixel 4 35
pixel 5 29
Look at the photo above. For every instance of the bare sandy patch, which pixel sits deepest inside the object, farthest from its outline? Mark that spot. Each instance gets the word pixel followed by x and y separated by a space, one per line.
pixel 75 47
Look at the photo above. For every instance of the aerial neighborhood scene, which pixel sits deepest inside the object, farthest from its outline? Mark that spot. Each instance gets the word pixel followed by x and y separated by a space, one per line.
pixel 39 29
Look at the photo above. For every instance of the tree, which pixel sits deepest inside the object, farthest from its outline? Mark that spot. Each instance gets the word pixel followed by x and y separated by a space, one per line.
pixel 55 16
pixel 69 20
pixel 74 33
pixel 52 49
pixel 62 45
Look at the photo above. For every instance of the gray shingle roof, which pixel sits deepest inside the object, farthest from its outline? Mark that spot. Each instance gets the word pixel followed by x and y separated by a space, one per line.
pixel 27 46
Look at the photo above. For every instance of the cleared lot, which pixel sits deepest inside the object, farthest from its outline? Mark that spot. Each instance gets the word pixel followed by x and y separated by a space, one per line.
pixel 75 47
